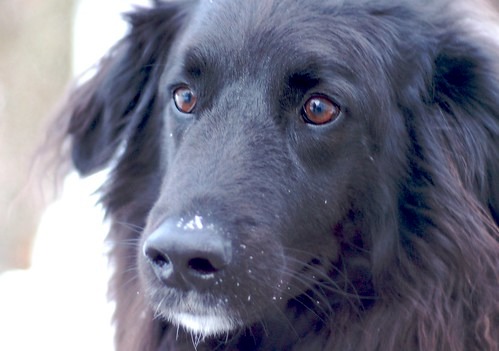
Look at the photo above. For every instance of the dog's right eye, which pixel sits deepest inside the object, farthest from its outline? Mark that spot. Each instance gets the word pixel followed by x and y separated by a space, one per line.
pixel 320 110
pixel 185 99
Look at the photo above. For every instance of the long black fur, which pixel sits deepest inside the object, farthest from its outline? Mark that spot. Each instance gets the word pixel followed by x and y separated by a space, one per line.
pixel 378 231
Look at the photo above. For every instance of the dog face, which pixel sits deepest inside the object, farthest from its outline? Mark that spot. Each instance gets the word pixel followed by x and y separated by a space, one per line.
pixel 267 141
pixel 285 161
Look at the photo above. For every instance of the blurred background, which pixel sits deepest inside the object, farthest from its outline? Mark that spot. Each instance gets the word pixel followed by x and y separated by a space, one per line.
pixel 35 65
pixel 53 270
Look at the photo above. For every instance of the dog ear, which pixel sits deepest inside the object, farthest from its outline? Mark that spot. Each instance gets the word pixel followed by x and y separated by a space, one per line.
pixel 124 87
pixel 466 88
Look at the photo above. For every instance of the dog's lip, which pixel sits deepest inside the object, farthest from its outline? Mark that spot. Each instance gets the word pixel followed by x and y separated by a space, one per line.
pixel 196 315
pixel 204 324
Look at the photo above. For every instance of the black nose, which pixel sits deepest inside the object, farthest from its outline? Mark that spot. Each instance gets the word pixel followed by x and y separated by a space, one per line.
pixel 187 254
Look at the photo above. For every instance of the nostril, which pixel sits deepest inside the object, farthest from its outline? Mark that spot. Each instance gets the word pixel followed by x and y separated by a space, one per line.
pixel 202 266
pixel 157 257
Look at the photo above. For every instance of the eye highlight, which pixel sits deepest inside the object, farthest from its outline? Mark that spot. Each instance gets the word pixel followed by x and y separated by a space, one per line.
pixel 320 110
pixel 185 99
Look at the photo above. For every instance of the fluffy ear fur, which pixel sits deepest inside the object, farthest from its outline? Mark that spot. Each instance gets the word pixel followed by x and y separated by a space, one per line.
pixel 445 260
pixel 107 109
pixel 467 92
pixel 449 207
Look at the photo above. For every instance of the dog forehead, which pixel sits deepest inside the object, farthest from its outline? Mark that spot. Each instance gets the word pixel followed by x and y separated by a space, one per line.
pixel 250 13
pixel 257 32
pixel 254 25
pixel 249 36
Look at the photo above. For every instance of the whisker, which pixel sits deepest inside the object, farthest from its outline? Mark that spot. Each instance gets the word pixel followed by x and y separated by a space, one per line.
pixel 132 243
pixel 135 228
pixel 157 313
pixel 311 298
pixel 132 280
pixel 322 278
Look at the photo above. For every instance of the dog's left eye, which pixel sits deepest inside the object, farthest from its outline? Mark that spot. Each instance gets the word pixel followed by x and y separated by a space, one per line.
pixel 320 110
pixel 185 99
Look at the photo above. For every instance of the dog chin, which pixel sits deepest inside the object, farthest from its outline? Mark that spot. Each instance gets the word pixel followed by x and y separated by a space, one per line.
pixel 203 325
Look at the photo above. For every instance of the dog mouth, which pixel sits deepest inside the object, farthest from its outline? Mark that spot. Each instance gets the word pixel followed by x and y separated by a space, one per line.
pixel 204 325
pixel 199 314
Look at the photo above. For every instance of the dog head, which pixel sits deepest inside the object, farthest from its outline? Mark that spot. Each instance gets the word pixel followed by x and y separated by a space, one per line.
pixel 281 155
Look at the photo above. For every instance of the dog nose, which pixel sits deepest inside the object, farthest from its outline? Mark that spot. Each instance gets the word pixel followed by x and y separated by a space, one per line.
pixel 187 254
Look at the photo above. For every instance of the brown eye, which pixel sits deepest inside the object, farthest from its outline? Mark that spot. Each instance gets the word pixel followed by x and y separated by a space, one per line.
pixel 185 100
pixel 320 110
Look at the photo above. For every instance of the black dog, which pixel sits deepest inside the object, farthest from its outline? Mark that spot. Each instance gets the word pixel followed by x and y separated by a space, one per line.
pixel 298 175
